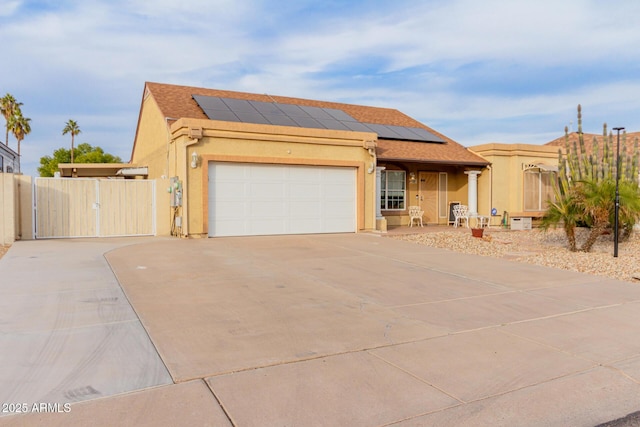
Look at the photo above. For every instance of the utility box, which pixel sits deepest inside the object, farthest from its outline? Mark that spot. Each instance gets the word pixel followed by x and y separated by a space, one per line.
pixel 520 223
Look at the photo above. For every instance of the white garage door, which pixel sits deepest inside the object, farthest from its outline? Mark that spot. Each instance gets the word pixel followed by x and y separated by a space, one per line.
pixel 254 199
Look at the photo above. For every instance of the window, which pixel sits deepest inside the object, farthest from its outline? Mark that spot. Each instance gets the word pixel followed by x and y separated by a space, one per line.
pixel 393 191
pixel 538 188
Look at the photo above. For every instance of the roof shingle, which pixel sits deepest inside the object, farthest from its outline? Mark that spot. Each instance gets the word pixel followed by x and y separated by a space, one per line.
pixel 176 102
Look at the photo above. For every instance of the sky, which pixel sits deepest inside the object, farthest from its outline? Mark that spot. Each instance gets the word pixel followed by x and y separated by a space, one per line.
pixel 477 71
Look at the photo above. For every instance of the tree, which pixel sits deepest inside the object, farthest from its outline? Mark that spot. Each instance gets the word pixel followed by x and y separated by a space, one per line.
pixel 9 108
pixel 71 127
pixel 20 127
pixel 84 153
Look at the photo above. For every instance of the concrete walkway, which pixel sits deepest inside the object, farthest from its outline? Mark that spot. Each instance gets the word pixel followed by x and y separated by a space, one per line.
pixel 356 330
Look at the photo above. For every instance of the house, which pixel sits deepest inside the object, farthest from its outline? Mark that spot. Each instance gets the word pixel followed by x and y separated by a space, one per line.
pixel 519 180
pixel 9 160
pixel 232 163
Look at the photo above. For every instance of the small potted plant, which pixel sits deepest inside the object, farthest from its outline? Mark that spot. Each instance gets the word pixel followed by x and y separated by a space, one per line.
pixel 477 232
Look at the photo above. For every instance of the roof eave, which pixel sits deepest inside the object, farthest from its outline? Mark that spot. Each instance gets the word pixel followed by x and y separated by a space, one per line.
pixel 433 161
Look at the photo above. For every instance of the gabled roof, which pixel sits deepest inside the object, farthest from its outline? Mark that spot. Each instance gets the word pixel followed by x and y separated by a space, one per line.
pixel 176 102
pixel 627 142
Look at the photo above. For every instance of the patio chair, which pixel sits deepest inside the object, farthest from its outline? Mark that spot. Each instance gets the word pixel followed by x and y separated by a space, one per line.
pixel 415 214
pixel 460 213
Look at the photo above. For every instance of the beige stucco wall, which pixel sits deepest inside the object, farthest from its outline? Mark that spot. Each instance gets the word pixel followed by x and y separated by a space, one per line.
pixel 245 143
pixel 501 186
pixel 457 188
pixel 154 150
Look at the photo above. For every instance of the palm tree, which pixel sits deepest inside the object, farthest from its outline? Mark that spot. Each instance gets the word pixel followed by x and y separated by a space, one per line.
pixel 72 128
pixel 20 127
pixel 9 108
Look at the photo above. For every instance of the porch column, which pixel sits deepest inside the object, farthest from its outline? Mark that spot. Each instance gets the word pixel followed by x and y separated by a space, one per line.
pixel 472 189
pixel 379 170
pixel 381 222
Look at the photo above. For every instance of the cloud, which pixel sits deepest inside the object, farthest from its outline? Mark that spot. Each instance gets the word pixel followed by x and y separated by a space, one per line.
pixel 476 71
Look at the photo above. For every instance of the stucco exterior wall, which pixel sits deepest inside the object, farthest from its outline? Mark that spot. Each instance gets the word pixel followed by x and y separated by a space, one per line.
pixel 501 187
pixel 154 150
pixel 457 185
pixel 245 143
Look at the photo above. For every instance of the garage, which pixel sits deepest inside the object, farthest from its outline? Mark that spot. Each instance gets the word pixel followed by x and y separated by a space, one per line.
pixel 248 199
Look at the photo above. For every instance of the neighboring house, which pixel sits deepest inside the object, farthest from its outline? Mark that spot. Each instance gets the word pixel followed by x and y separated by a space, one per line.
pixel 101 170
pixel 9 160
pixel 232 163
pixel 519 180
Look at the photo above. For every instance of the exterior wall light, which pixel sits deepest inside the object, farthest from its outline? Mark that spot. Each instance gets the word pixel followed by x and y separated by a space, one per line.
pixel 412 177
pixel 194 160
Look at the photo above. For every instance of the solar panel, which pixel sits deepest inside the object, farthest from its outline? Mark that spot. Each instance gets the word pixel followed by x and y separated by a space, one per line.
pixel 339 115
pixel 308 122
pixel 237 105
pixel 333 124
pixel 210 102
pixel 383 131
pixel 266 108
pixel 357 126
pixel 292 110
pixel 252 117
pixel 280 120
pixel 316 113
pixel 225 116
pixel 425 135
pixel 404 132
pixel 274 113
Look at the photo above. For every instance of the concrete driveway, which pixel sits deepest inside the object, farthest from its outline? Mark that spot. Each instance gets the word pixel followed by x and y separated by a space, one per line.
pixel 354 330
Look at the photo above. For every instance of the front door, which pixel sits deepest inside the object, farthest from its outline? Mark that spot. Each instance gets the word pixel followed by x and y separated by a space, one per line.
pixel 428 189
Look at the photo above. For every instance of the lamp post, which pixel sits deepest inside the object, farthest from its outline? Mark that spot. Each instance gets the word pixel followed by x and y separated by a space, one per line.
pixel 617 207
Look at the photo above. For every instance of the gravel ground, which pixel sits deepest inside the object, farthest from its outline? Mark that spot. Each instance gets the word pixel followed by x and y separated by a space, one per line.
pixel 3 250
pixel 542 248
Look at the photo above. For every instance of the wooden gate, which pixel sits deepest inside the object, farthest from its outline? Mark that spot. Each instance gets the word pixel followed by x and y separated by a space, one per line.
pixel 79 207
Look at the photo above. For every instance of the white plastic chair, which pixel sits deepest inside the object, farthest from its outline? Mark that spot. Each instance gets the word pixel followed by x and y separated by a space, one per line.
pixel 460 213
pixel 415 214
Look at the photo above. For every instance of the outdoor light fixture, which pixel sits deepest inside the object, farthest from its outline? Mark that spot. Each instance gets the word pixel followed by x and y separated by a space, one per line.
pixel 194 160
pixel 412 177
pixel 617 207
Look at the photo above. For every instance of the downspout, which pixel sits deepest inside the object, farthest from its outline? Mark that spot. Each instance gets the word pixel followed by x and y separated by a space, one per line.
pixel 185 187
